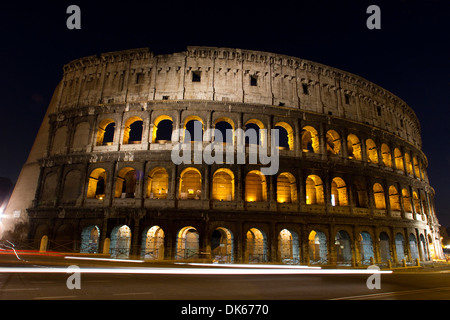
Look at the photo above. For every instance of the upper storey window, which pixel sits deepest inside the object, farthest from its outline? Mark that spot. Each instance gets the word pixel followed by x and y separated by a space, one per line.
pixel 196 76
pixel 105 134
pixel 305 89
pixel 253 81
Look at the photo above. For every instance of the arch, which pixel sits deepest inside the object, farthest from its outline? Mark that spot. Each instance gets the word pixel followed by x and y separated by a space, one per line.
pixel 224 130
pixel 343 248
pixel 158 184
pixel 132 132
pixel 385 247
pixel 253 132
pixel 423 247
pixel 97 184
pixel 120 242
pixel 72 186
pixel 105 132
pixel 318 250
pixel 354 147
pixel 81 135
pixel 386 155
pixel 256 246
pixel 398 160
pixel 286 188
pixel 400 247
pixel 255 187
pixel 366 248
pixel 152 243
pixel 416 200
pixel 286 135
pixel 63 238
pixel 90 239
pixel 187 244
pixel 49 187
pixel 59 140
pixel 193 129
pixel 223 185
pixel 394 199
pixel 310 139
pixel 314 190
pixel 190 184
pixel 289 247
pixel 162 129
pixel 339 195
pixel 406 200
pixel 333 142
pixel 379 197
pixel 416 167
pixel 126 183
pixel 372 153
pixel 360 194
pixel 222 249
pixel 413 247
pixel 408 163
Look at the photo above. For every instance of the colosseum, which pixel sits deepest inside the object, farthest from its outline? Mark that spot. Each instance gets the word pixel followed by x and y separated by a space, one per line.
pixel 351 187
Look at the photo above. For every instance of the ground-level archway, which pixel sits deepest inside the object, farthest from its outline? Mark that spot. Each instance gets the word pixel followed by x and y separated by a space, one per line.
pixel 187 244
pixel 152 247
pixel 256 246
pixel 318 250
pixel 222 249
pixel 289 247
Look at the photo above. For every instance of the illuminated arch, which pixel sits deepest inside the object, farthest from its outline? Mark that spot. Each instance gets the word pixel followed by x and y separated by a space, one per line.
pixel 190 184
pixel 386 155
pixel 406 200
pixel 227 137
pixel 105 132
pixel 310 139
pixel 354 147
pixel 97 184
pixel 333 142
pixel 194 136
pixel 153 243
pixel 398 160
pixel 339 195
pixel 394 199
pixel 133 130
pixel 314 190
pixel 156 123
pixel 126 183
pixel 158 184
pixel 286 188
pixel 255 187
pixel 371 149
pixel 289 132
pixel 379 197
pixel 223 185
pixel 260 136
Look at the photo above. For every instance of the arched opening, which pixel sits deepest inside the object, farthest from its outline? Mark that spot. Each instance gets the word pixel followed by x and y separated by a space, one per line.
pixel 222 250
pixel 286 188
pixel 105 132
pixel 406 201
pixel 90 239
pixel 380 199
pixel 162 129
pixel 256 246
pixel 255 187
pixel 416 167
pixel 63 239
pixel 385 247
pixel 360 194
pixel 314 190
pixel 286 136
pixel 408 163
pixel 193 129
pixel 318 251
pixel 126 183
pixel 153 243
pixel 190 184
pixel 158 184
pixel 398 160
pixel 333 142
pixel 366 248
pixel 120 242
pixel 310 140
pixel 343 248
pixel 132 134
pixel 223 185
pixel 339 196
pixel 289 247
pixel 413 247
pixel 224 131
pixel 394 199
pixel 372 153
pixel 416 203
pixel 97 183
pixel 187 244
pixel 423 245
pixel 400 247
pixel 253 133
pixel 353 147
pixel 386 155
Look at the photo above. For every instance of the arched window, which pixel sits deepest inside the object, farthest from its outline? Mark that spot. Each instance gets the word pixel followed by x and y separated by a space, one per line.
pixel 353 147
pixel 153 244
pixel 394 198
pixel 158 184
pixel 286 136
pixel 314 190
pixel 386 155
pixel 408 163
pixel 190 184
pixel 105 132
pixel 318 249
pixel 372 153
pixel 333 142
pixel 286 188
pixel 97 183
pixel 406 200
pixel 132 133
pixel 224 130
pixel 187 243
pixel 360 194
pixel 416 203
pixel 120 242
pixel 223 185
pixel 162 129
pixel 126 183
pixel 310 140
pixel 255 187
pixel 253 133
pixel 339 196
pixel 256 246
pixel 90 239
pixel 416 167
pixel 398 159
pixel 193 129
pixel 380 199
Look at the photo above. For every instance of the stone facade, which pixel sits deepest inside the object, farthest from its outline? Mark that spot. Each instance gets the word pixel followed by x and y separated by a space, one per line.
pixel 352 186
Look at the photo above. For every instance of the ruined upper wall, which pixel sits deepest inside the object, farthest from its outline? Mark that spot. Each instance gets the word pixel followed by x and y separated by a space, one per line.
pixel 235 75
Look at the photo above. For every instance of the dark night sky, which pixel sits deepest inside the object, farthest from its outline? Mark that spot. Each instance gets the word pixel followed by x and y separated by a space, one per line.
pixel 409 56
